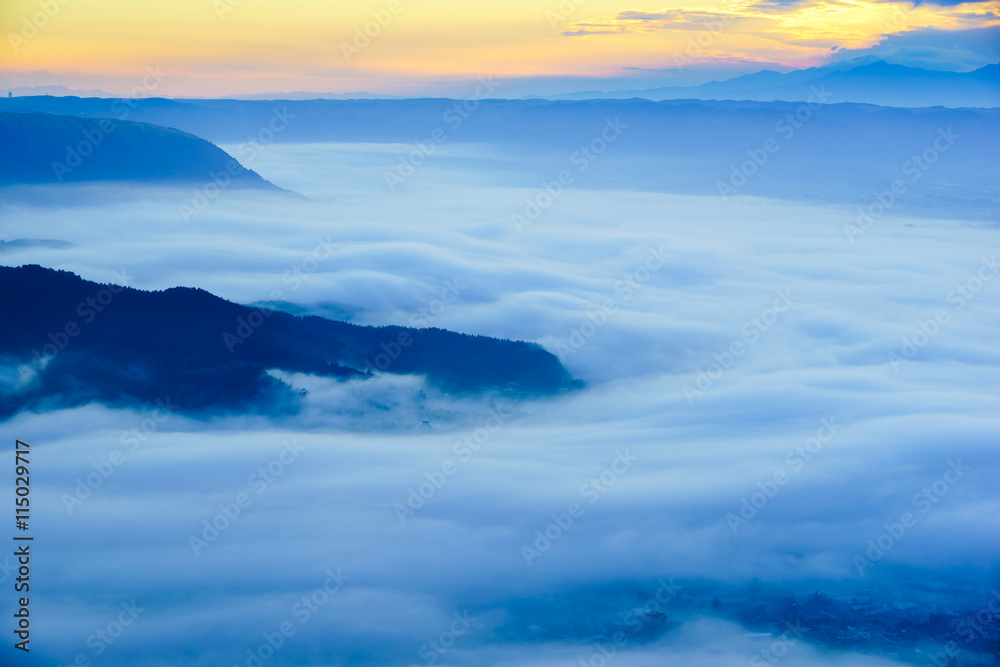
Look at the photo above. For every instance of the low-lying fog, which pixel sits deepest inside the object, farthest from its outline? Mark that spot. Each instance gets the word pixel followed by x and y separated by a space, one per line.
pixel 729 348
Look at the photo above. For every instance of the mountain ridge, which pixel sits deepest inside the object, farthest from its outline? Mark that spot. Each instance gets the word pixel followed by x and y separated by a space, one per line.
pixel 78 341
pixel 898 85
pixel 43 147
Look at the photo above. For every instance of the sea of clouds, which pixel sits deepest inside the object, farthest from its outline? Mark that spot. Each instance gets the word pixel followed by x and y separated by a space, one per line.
pixel 728 348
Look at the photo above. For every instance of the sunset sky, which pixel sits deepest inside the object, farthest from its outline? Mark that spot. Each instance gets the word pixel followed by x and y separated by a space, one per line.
pixel 226 47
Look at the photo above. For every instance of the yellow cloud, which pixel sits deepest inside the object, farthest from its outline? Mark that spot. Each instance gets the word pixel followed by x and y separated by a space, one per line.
pixel 218 47
pixel 821 23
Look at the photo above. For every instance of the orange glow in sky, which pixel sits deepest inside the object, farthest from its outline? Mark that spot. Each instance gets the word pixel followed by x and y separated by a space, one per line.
pixel 220 47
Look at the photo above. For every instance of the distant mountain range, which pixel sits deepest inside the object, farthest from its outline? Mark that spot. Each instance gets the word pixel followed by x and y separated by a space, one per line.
pixel 63 91
pixel 20 91
pixel 305 95
pixel 694 126
pixel 48 148
pixel 863 81
pixel 71 341
pixel 817 152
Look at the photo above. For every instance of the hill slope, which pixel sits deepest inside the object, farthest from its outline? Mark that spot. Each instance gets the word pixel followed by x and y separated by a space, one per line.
pixel 48 148
pixel 85 342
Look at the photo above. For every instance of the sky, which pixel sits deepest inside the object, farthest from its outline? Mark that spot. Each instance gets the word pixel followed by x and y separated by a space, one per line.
pixel 214 48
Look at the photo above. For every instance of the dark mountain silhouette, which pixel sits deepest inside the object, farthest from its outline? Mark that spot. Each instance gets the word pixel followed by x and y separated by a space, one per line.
pixel 76 341
pixel 48 148
pixel 862 81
